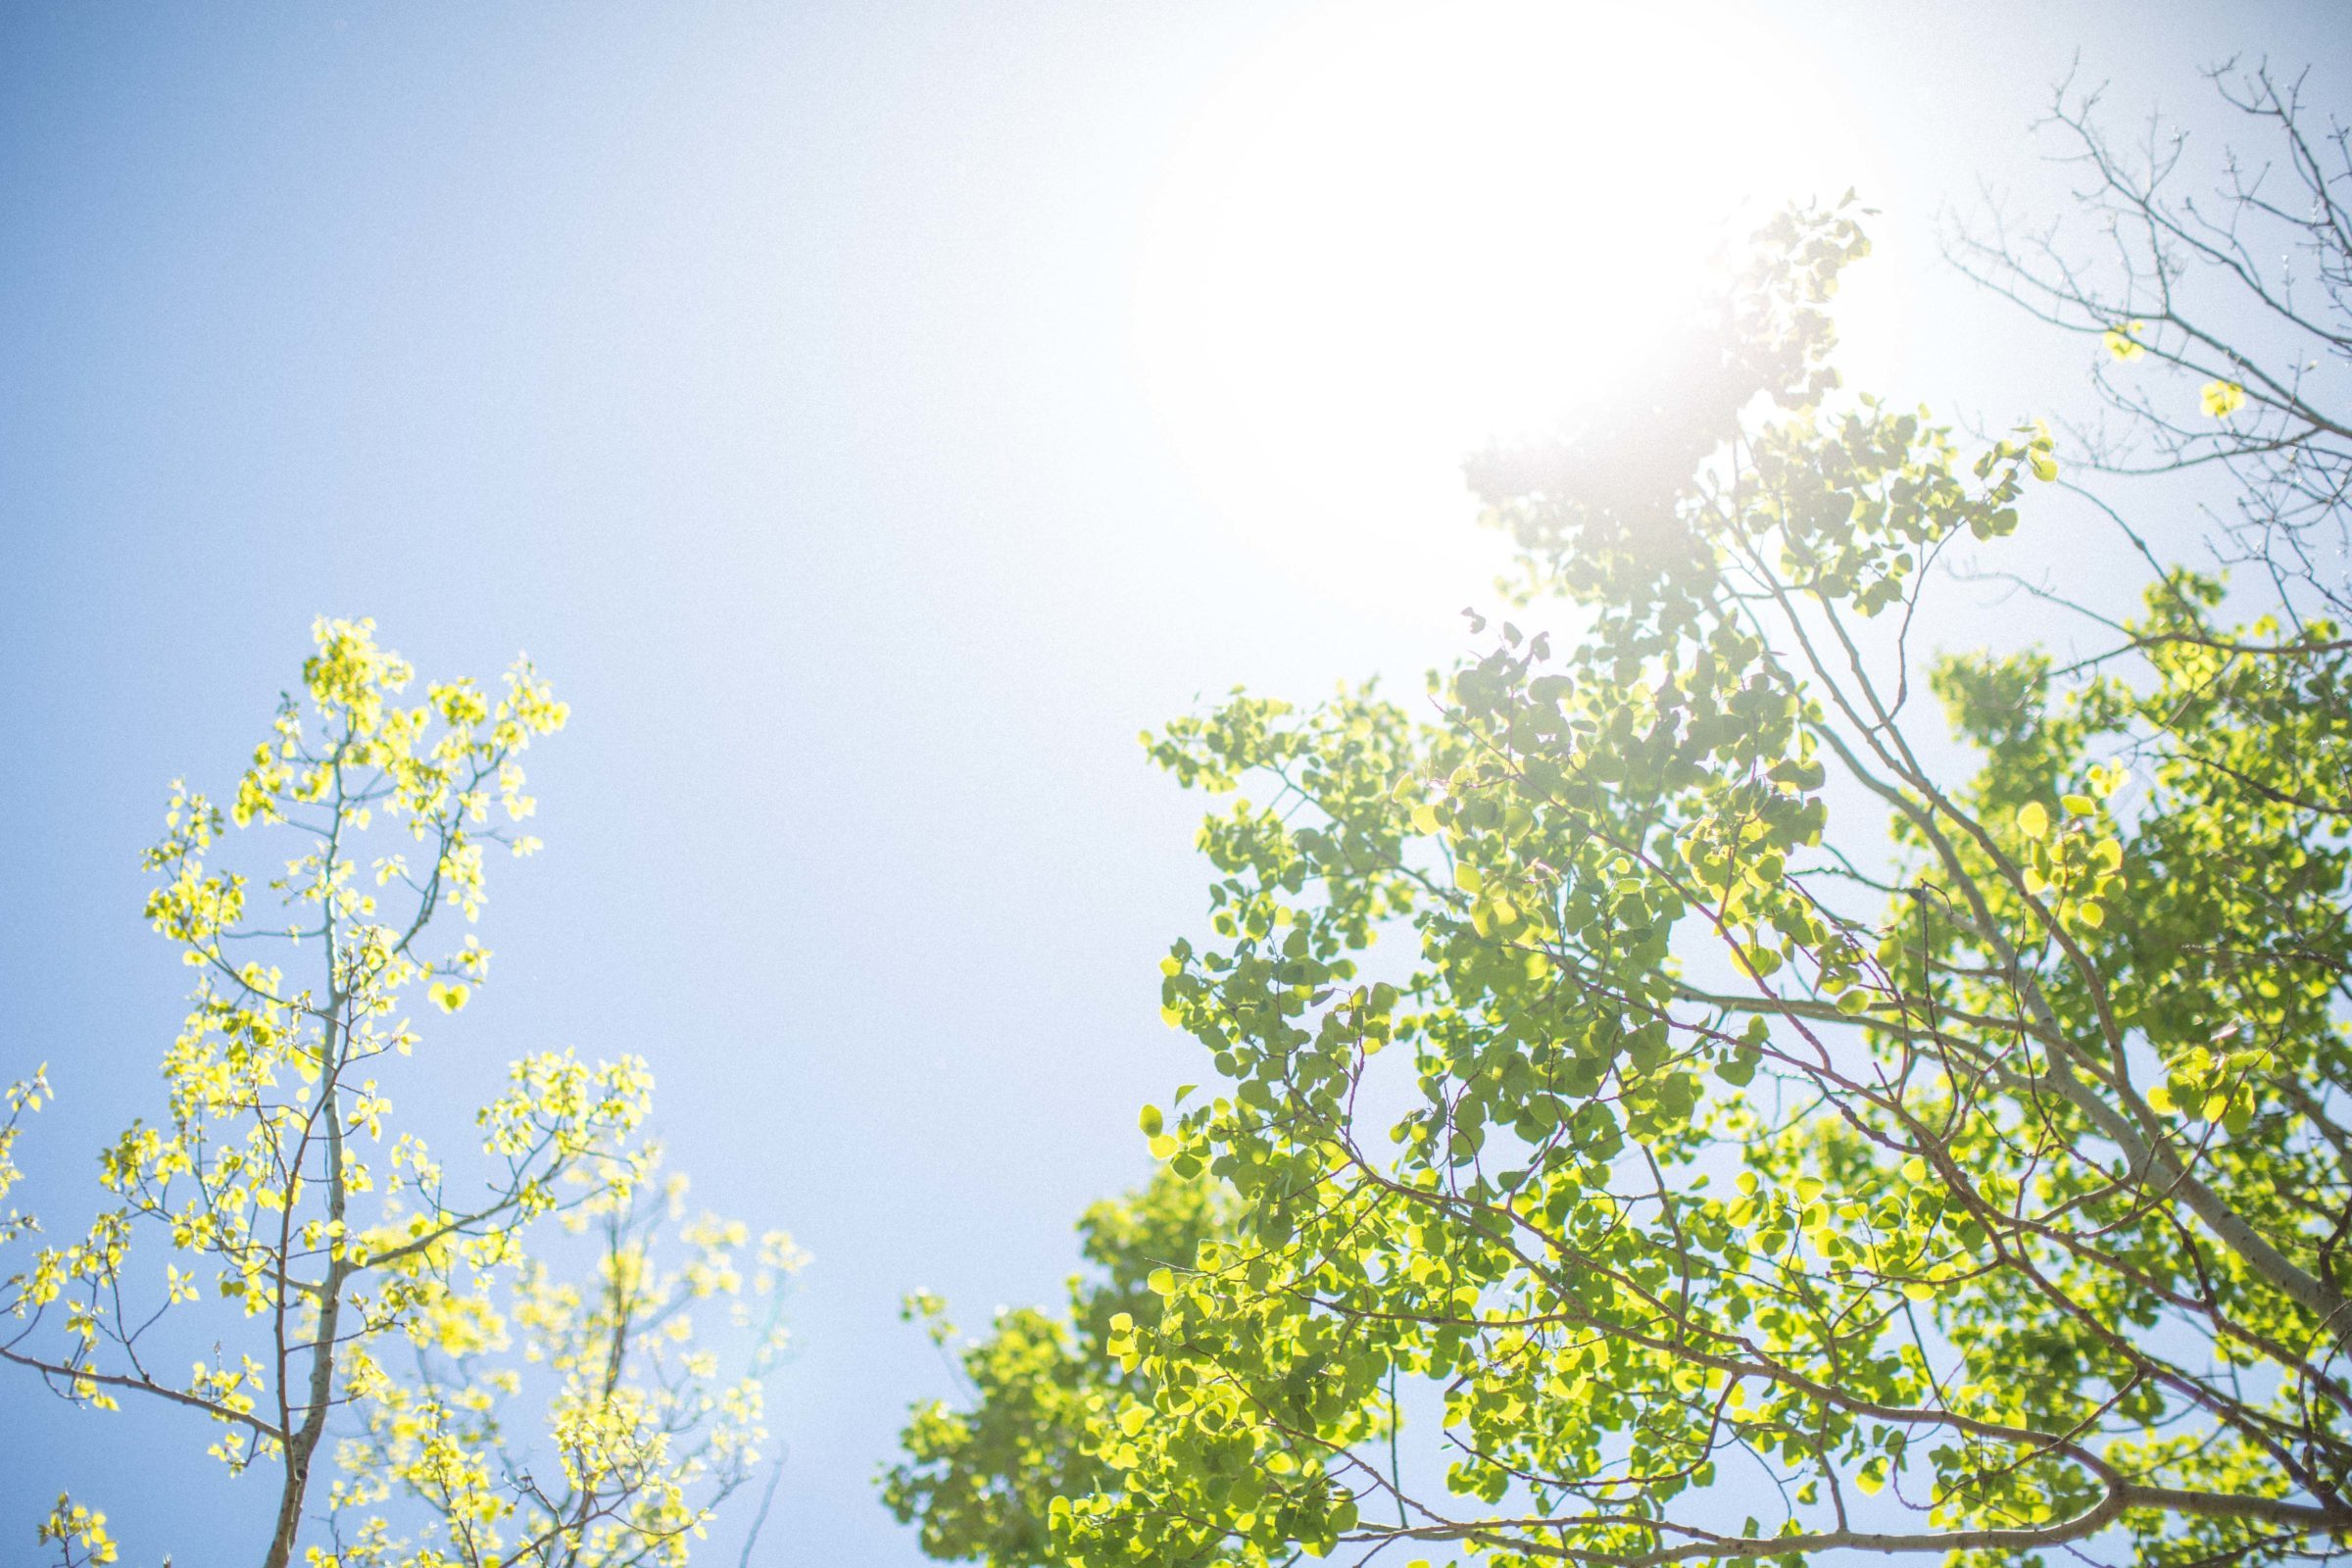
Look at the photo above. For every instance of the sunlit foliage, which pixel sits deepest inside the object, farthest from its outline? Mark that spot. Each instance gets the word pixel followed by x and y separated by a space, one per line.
pixel 982 1481
pixel 402 1320
pixel 1816 1134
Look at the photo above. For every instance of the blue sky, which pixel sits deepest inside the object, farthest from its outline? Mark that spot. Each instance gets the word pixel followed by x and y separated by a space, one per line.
pixel 771 374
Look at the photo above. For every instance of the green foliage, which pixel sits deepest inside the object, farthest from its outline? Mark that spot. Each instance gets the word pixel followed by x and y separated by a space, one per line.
pixel 1916 1156
pixel 982 1481
pixel 379 1309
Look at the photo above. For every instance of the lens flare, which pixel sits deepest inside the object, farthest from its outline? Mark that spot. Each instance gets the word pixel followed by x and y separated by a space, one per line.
pixel 1403 231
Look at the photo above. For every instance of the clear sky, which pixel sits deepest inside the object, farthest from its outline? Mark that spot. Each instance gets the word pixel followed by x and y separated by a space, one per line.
pixel 869 417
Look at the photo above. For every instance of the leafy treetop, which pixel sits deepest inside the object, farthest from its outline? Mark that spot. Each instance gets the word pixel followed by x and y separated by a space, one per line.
pixel 1905 1157
pixel 372 1293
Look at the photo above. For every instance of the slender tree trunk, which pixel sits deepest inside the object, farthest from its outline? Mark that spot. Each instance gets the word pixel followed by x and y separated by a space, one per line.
pixel 302 1441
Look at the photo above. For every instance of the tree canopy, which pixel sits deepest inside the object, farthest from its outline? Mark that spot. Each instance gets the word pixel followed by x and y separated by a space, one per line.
pixel 981 1481
pixel 1807 1091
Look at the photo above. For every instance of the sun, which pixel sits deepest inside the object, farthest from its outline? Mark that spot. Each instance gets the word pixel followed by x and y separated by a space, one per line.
pixel 1399 230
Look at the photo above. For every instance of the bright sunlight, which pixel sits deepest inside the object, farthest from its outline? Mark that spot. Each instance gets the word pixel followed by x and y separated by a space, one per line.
pixel 1404 229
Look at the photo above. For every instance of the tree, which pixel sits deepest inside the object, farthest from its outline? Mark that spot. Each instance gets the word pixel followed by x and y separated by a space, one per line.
pixel 1821 1127
pixel 382 1309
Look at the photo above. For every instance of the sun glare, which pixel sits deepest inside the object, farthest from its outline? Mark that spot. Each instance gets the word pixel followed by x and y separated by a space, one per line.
pixel 1405 230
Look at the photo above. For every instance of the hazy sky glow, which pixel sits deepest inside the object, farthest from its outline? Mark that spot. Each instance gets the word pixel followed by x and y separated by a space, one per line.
pixel 1393 232
pixel 869 417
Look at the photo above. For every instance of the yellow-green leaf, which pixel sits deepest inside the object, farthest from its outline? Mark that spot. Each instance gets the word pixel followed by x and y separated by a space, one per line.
pixel 2222 399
